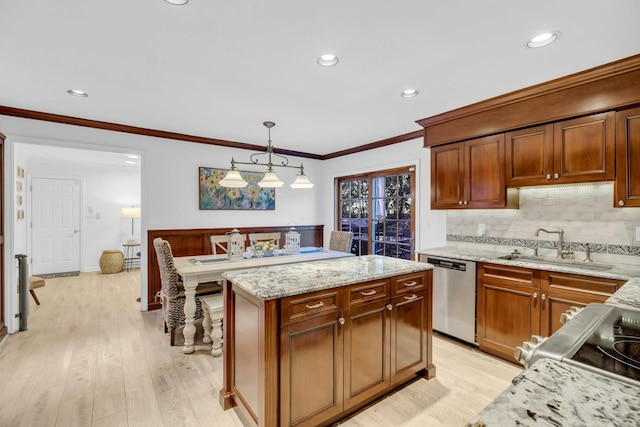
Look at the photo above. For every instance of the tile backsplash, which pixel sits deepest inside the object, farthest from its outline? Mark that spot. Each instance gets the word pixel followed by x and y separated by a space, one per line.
pixel 585 212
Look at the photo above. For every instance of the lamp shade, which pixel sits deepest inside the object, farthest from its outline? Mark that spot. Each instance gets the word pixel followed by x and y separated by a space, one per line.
pixel 302 181
pixel 233 179
pixel 131 212
pixel 270 180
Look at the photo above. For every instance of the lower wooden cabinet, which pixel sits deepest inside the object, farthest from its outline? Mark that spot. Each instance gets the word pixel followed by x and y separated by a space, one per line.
pixel 508 308
pixel 515 303
pixel 311 368
pixel 336 363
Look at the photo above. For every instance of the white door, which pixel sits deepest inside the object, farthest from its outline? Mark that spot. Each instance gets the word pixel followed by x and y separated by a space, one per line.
pixel 55 222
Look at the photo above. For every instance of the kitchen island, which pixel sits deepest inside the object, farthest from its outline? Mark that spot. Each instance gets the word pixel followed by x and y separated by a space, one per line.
pixel 310 343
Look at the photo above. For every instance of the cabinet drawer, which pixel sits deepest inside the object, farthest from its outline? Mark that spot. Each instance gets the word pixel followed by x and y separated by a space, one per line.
pixel 409 283
pixel 302 307
pixel 497 274
pixel 364 293
pixel 582 284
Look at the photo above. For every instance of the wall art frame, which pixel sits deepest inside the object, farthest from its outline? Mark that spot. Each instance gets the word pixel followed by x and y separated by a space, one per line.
pixel 212 196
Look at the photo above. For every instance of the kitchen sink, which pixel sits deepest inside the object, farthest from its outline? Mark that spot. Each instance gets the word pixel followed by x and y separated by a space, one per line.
pixel 556 261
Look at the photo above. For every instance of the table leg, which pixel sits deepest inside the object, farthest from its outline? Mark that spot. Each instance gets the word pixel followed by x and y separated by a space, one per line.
pixel 216 335
pixel 206 323
pixel 189 332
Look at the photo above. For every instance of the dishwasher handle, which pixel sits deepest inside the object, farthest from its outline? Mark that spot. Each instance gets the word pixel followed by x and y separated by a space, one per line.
pixel 449 264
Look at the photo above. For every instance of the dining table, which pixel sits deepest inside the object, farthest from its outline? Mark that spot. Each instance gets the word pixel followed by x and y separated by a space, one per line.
pixel 209 268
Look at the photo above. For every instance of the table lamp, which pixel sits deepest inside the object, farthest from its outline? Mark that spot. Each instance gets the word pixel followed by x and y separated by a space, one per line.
pixel 132 212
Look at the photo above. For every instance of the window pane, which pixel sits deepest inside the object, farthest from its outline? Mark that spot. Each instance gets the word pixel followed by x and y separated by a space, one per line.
pixel 391 186
pixel 345 189
pixel 404 185
pixel 405 208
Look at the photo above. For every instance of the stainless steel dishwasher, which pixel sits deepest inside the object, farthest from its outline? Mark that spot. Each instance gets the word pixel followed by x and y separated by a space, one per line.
pixel 454 297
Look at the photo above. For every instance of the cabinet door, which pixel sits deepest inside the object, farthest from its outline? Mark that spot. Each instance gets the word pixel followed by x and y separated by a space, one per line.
pixel 366 351
pixel 529 156
pixel 408 335
pixel 627 184
pixel 447 176
pixel 508 308
pixel 484 172
pixel 556 302
pixel 584 149
pixel 311 359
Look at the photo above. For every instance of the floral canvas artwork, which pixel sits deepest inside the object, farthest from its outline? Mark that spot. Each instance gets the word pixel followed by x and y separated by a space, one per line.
pixel 215 197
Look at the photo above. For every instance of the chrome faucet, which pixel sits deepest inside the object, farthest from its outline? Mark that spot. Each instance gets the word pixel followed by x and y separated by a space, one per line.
pixel 561 252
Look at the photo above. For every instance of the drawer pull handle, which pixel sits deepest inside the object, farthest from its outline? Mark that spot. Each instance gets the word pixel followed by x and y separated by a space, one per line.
pixel 410 284
pixel 410 297
pixel 311 307
pixel 368 293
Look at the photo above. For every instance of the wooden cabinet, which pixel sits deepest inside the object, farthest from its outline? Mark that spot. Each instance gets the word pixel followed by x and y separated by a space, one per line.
pixel 561 291
pixel 508 308
pixel 627 183
pixel 515 303
pixel 342 348
pixel 570 151
pixel 470 174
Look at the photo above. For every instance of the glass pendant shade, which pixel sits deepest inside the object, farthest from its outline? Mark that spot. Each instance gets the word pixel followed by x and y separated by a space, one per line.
pixel 233 179
pixel 302 181
pixel 270 180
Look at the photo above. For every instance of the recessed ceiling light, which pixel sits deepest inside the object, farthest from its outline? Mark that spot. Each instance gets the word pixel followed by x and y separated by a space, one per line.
pixel 178 2
pixel 409 93
pixel 76 92
pixel 543 39
pixel 327 60
pixel 130 162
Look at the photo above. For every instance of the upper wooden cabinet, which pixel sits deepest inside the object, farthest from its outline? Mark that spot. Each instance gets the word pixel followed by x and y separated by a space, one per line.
pixel 570 151
pixel 470 174
pixel 627 183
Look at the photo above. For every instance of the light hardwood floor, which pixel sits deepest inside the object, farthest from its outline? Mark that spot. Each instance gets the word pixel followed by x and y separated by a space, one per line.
pixel 91 358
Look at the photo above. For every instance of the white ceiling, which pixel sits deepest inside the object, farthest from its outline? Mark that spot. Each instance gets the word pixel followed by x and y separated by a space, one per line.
pixel 219 69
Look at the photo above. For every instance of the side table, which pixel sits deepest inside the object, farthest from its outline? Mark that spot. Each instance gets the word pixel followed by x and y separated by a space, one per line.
pixel 130 255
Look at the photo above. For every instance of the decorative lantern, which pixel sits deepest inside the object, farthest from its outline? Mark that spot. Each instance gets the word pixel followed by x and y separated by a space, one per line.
pixel 235 244
pixel 292 241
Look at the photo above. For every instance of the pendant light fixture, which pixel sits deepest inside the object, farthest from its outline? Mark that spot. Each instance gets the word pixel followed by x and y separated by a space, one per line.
pixel 233 179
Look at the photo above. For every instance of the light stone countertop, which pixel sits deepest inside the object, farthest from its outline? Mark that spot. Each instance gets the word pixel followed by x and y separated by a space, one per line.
pixel 280 281
pixel 618 272
pixel 551 393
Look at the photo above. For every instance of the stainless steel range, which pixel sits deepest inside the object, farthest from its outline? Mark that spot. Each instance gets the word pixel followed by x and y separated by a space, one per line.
pixel 602 338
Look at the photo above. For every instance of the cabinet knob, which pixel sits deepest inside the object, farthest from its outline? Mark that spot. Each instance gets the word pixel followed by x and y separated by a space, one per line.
pixel 460 202
pixel 556 175
pixel 543 297
pixel 535 295
pixel 466 203
pixel 341 320
pixel 620 202
pixel 389 307
pixel 548 176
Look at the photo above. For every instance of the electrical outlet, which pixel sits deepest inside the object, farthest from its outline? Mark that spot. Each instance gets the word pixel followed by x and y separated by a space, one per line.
pixel 638 233
pixel 482 230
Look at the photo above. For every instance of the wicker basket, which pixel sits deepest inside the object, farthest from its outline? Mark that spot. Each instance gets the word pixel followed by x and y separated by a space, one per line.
pixel 111 261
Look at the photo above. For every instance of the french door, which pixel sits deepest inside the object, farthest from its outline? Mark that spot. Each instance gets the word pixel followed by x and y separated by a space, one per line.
pixel 378 208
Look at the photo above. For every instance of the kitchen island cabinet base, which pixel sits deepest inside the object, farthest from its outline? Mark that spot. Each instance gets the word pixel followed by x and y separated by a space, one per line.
pixel 285 367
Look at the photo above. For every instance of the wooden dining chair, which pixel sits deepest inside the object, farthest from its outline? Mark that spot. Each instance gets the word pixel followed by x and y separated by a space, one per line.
pixel 341 241
pixel 219 243
pixel 261 237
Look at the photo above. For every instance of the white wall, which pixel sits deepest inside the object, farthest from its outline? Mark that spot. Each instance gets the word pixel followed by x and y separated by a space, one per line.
pixel 169 185
pixel 430 225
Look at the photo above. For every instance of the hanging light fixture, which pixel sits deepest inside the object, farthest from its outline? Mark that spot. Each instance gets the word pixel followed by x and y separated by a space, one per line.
pixel 233 179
